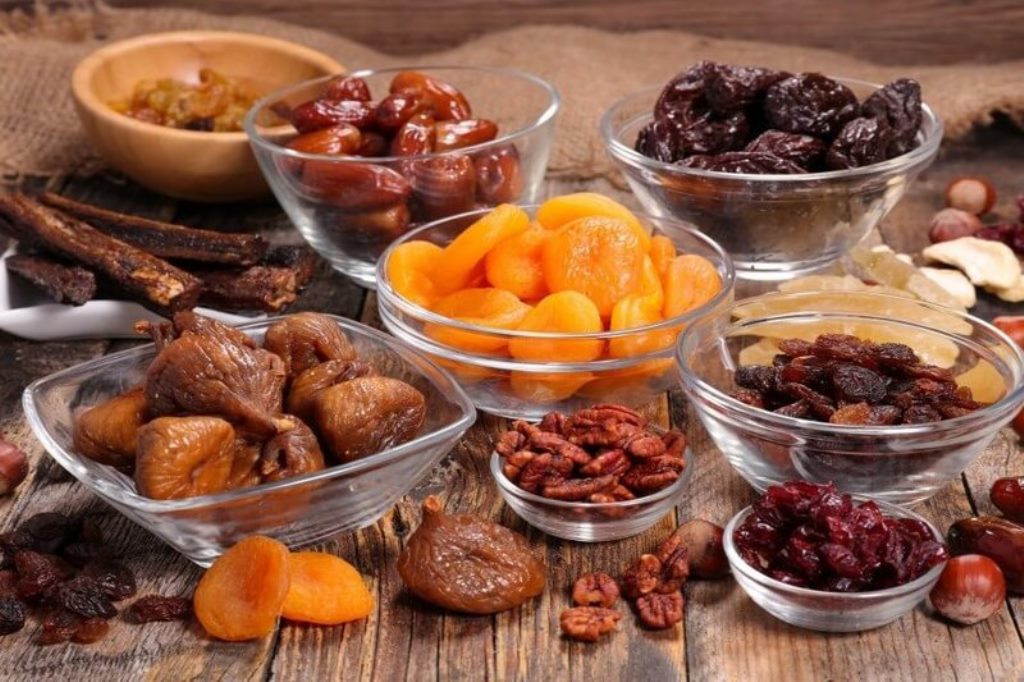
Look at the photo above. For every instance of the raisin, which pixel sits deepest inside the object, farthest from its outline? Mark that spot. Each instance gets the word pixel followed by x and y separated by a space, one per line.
pixel 37 573
pixel 12 615
pixel 898 104
pixel 84 596
pixel 115 579
pixel 853 384
pixel 90 630
pixel 803 150
pixel 861 142
pixel 845 347
pixel 920 413
pixel 857 413
pixel 733 88
pixel 895 355
pixel 8 583
pixel 806 369
pixel 58 626
pixel 796 347
pixel 810 104
pixel 748 396
pixel 48 531
pixel 155 607
pixel 799 409
pixel 757 377
pixel 753 163
pixel 10 544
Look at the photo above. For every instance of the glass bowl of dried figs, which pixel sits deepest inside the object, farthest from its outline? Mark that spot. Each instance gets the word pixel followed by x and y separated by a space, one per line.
pixel 202 464
pixel 787 172
pixel 886 396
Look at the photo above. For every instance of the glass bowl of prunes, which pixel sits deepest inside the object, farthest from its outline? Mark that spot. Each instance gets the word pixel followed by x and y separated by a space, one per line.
pixel 886 396
pixel 786 171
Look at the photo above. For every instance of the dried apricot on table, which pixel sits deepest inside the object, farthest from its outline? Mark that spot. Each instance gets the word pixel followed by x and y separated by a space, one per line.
pixel 326 590
pixel 662 252
pixel 562 210
pixel 409 268
pixel 515 264
pixel 241 594
pixel 599 257
pixel 632 312
pixel 465 254
pixel 690 282
pixel 486 307
pixel 568 312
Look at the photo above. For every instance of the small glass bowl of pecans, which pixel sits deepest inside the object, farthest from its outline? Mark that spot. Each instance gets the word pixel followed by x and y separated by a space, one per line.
pixel 884 395
pixel 599 474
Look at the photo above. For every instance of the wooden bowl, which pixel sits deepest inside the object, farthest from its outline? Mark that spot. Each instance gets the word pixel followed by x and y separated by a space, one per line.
pixel 186 164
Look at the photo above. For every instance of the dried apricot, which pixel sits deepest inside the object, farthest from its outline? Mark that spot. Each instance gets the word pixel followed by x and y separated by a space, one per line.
pixel 632 312
pixel 466 252
pixel 650 283
pixel 626 384
pixel 662 252
pixel 409 268
pixel 241 594
pixel 566 312
pixel 690 282
pixel 599 257
pixel 514 264
pixel 547 388
pixel 326 590
pixel 487 307
pixel 559 211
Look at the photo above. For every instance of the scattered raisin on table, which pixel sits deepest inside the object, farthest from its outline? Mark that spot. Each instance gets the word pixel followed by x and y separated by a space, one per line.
pixel 114 578
pixel 58 626
pixel 12 614
pixel 91 630
pixel 155 607
pixel 84 596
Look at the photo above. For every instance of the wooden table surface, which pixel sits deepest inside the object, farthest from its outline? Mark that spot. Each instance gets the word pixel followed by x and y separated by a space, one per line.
pixel 725 636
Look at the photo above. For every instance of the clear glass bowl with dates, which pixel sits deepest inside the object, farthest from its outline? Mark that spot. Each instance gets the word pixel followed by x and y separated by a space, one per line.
pixel 349 204
pixel 831 611
pixel 298 511
pixel 898 463
pixel 774 226
pixel 500 384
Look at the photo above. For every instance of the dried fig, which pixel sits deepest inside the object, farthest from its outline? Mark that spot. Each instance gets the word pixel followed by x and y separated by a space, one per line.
pixel 306 339
pixel 305 386
pixel 462 563
pixel 292 452
pixel 366 415
pixel 184 456
pixel 108 432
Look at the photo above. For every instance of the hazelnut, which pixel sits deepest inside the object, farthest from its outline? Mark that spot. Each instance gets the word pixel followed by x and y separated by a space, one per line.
pixel 974 195
pixel 952 223
pixel 970 589
pixel 13 466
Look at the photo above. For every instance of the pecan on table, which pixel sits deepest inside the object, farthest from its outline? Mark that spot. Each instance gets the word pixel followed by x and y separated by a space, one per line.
pixel 660 611
pixel 595 589
pixel 675 565
pixel 642 577
pixel 588 623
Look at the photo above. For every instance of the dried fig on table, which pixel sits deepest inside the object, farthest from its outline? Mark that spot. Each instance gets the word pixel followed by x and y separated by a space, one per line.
pixel 305 386
pixel 304 340
pixel 184 457
pixel 108 432
pixel 462 563
pixel 366 415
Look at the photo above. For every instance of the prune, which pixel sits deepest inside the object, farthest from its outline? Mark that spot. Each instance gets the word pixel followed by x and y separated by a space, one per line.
pixel 861 142
pixel 732 88
pixel 810 104
pixel 12 614
pixel 854 384
pixel 113 578
pixel 84 596
pixel 155 607
pixel 708 135
pixel 898 104
pixel 656 140
pixel 465 564
pixel 803 150
pixel 753 163
pixel 683 95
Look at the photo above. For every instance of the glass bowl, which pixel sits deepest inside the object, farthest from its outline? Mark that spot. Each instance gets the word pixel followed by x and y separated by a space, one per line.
pixel 521 389
pixel 298 511
pixel 349 208
pixel 831 611
pixel 774 226
pixel 590 521
pixel 902 464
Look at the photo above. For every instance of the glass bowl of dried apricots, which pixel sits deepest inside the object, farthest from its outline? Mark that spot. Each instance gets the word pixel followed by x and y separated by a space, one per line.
pixel 884 395
pixel 552 307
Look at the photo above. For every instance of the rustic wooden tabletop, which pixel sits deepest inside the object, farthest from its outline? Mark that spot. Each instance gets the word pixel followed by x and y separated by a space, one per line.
pixel 724 636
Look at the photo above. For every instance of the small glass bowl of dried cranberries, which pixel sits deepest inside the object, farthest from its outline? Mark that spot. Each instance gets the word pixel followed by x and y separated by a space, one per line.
pixel 823 560
pixel 887 396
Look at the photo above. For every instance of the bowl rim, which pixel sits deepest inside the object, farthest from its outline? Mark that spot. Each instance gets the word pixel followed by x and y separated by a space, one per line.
pixel 507 487
pixel 386 292
pixel 84 70
pixel 1014 394
pixel 739 564
pixel 932 137
pixel 546 116
pixel 72 461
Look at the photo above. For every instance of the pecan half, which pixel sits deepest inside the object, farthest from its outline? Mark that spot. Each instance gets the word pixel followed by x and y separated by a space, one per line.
pixel 525 428
pixel 660 611
pixel 595 589
pixel 617 494
pixel 608 462
pixel 653 474
pixel 675 444
pixel 603 425
pixel 675 567
pixel 644 445
pixel 554 422
pixel 588 623
pixel 642 577
pixel 544 441
pixel 515 462
pixel 575 489
pixel 509 442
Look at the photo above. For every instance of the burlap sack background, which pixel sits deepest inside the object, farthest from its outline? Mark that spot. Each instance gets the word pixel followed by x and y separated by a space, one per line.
pixel 39 133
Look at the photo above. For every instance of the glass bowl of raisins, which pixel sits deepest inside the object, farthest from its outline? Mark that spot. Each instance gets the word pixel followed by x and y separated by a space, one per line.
pixel 884 395
pixel 356 161
pixel 819 559
pixel 787 172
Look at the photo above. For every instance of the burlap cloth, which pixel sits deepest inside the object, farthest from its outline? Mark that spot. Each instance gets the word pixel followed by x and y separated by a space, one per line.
pixel 39 132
